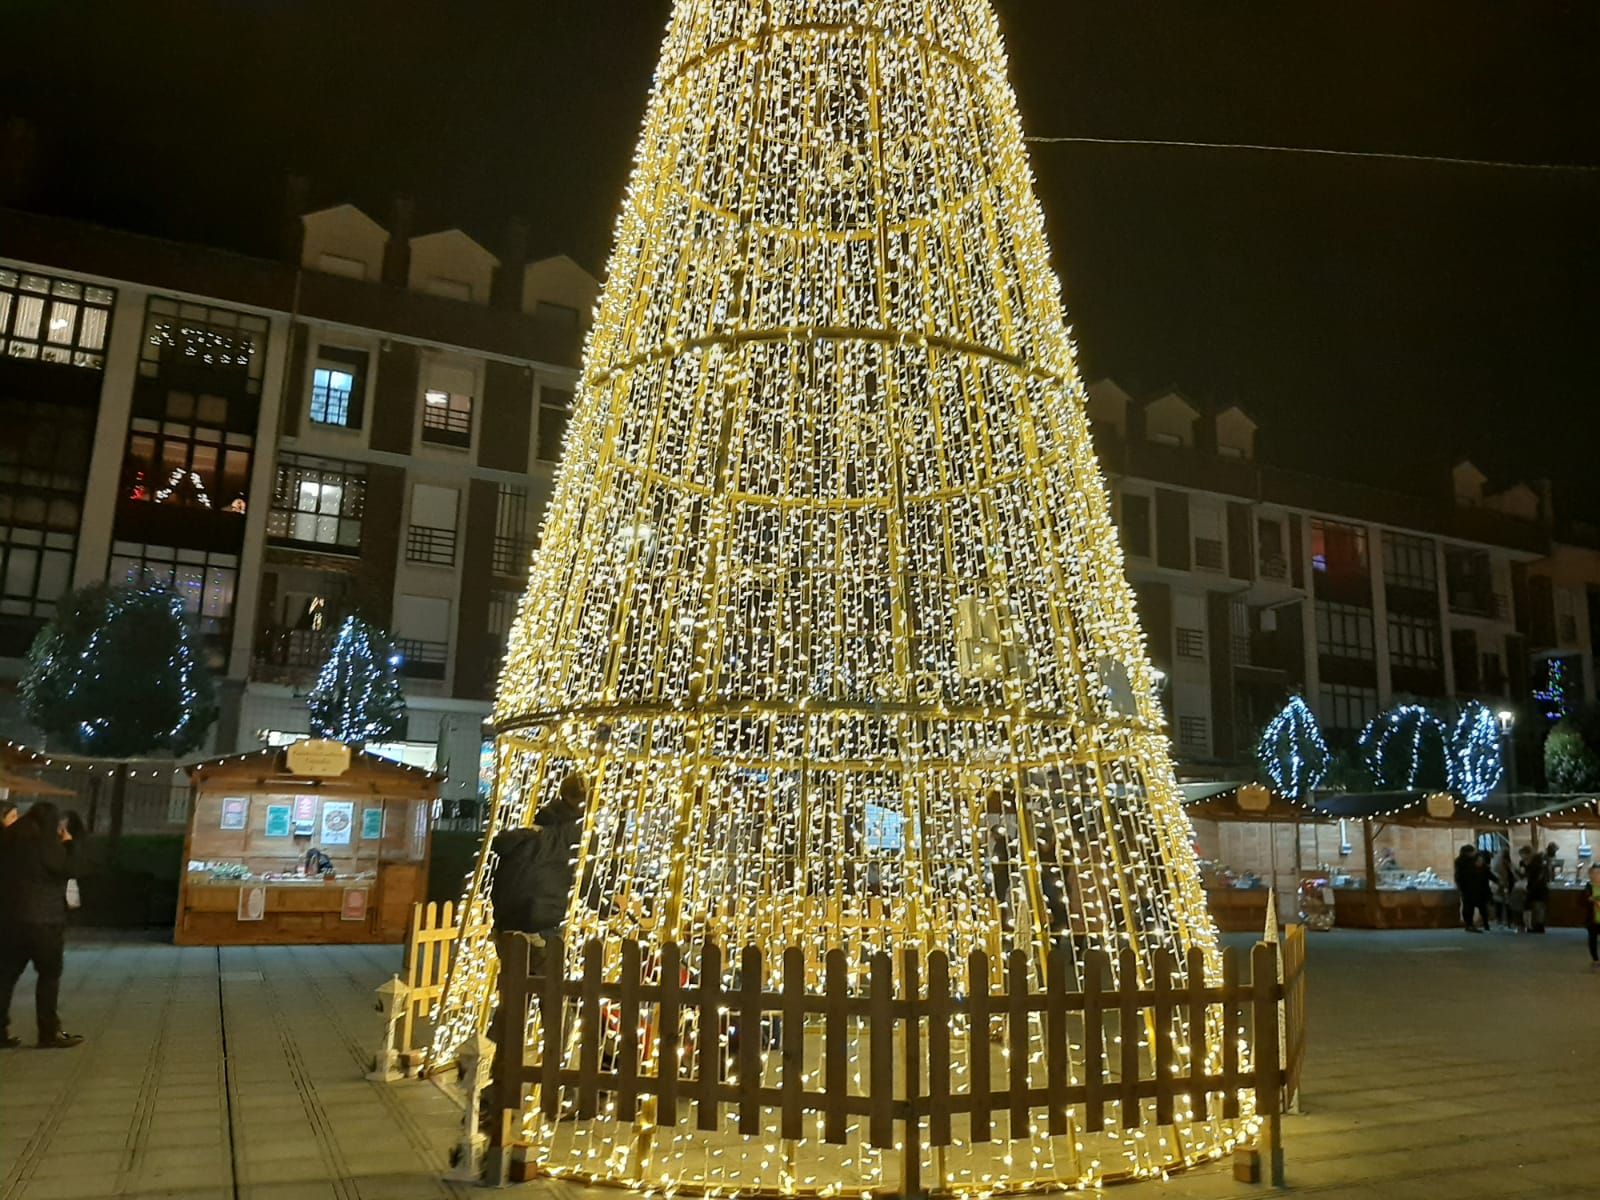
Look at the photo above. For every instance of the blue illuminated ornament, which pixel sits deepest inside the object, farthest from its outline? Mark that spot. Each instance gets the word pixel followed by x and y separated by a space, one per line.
pixel 1475 753
pixel 1291 751
pixel 1407 749
pixel 358 698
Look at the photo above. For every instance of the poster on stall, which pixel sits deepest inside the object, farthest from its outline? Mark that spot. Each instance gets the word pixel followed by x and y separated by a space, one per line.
pixel 305 814
pixel 235 812
pixel 354 906
pixel 371 824
pixel 337 818
pixel 252 902
pixel 278 816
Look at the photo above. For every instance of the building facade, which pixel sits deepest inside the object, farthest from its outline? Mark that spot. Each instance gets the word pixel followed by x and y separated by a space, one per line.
pixel 1255 582
pixel 369 425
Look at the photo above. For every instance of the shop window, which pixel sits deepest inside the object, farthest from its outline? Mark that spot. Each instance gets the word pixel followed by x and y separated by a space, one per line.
pixel 447 418
pixel 338 388
pixel 555 410
pixel 54 320
pixel 318 502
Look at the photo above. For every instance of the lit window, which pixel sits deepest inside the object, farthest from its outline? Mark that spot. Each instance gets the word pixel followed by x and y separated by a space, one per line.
pixel 53 320
pixel 317 502
pixel 337 388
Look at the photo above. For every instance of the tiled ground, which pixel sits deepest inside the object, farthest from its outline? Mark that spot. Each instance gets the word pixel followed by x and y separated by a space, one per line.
pixel 232 1075
pixel 1442 1065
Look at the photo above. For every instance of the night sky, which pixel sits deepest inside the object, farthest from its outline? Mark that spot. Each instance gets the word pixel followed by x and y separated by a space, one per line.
pixel 1380 319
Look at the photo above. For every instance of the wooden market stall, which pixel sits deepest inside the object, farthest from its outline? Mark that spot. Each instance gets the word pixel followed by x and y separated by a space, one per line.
pixel 1250 843
pixel 1572 825
pixel 312 844
pixel 18 781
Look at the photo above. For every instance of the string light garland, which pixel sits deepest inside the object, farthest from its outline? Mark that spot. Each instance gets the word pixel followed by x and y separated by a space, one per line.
pixel 358 698
pixel 1292 753
pixel 829 605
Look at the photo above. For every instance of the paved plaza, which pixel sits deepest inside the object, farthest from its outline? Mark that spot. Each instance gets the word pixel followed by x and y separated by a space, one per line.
pixel 1442 1064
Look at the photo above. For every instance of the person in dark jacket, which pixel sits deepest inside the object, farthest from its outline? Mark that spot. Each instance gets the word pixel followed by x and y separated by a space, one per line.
pixel 1538 877
pixel 37 857
pixel 534 876
pixel 1471 884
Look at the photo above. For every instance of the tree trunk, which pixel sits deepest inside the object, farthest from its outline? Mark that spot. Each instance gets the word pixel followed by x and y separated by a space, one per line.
pixel 119 797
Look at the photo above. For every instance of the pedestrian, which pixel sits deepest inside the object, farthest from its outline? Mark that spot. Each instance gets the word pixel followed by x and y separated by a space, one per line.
pixel 1469 884
pixel 37 857
pixel 536 867
pixel 1591 895
pixel 1505 879
pixel 1552 863
pixel 1538 891
pixel 1486 889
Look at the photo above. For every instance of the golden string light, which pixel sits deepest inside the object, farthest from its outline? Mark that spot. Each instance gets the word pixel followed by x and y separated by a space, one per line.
pixel 829 605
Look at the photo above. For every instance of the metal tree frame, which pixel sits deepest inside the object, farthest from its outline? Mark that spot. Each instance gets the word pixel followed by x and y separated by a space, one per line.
pixel 829 605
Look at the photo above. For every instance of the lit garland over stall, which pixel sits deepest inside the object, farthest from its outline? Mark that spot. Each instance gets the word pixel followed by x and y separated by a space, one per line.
pixel 829 605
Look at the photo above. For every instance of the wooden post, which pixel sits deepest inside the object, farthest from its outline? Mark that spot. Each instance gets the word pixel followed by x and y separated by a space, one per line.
pixel 1020 1118
pixel 911 1158
pixel 939 1048
pixel 880 1054
pixel 668 1037
pixel 553 999
pixel 1265 993
pixel 591 1035
pixel 509 1051
pixel 1198 1044
pixel 835 1061
pixel 978 1045
pixel 628 1034
pixel 1055 1041
pixel 1094 1042
pixel 1230 1034
pixel 1163 1057
pixel 1129 1022
pixel 794 1042
pixel 750 1040
pixel 709 1020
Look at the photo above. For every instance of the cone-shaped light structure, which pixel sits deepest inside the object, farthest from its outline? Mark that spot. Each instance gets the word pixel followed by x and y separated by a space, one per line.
pixel 829 604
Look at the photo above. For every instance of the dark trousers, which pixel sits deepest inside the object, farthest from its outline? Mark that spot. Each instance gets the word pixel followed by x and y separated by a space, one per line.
pixel 1594 942
pixel 42 945
pixel 1471 905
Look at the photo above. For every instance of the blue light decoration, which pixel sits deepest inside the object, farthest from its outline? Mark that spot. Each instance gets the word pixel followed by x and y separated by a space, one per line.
pixel 1553 697
pixel 1407 749
pixel 358 698
pixel 1291 751
pixel 1476 765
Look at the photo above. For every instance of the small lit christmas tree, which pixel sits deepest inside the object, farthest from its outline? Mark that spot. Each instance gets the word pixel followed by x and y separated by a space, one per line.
pixel 1291 751
pixel 117 674
pixel 358 698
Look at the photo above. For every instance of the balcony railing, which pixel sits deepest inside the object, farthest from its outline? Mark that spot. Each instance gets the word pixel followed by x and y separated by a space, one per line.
pixel 511 555
pixel 420 659
pixel 432 546
pixel 283 653
pixel 1208 555
pixel 1274 567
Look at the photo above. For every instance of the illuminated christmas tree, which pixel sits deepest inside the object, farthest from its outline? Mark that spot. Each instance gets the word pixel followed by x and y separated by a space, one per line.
pixel 829 604
pixel 357 698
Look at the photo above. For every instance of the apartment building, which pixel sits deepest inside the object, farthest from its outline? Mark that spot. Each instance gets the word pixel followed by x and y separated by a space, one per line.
pixel 368 424
pixel 1254 582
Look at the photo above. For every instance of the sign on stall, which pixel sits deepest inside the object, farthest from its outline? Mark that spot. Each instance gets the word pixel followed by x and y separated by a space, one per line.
pixel 319 758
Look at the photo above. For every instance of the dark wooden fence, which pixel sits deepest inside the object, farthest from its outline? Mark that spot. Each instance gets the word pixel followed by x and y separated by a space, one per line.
pixel 1123 1043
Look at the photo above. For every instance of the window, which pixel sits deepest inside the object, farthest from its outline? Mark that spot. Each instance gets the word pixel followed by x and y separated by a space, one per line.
pixel 54 320
pixel 318 502
pixel 188 338
pixel 186 465
pixel 555 409
pixel 1464 658
pixel 512 545
pixel 1190 643
pixel 1270 541
pixel 338 388
pixel 1194 734
pixel 35 569
pixel 1208 549
pixel 502 615
pixel 558 316
pixel 422 635
pixel 1469 581
pixel 446 418
pixel 1135 525
pixel 1346 710
pixel 206 581
pixel 1339 550
pixel 1414 642
pixel 1344 631
pixel 431 538
pixel 1409 562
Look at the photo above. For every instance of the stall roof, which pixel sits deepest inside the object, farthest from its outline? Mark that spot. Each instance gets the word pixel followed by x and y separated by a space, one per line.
pixel 17 786
pixel 1568 812
pixel 1226 808
pixel 268 770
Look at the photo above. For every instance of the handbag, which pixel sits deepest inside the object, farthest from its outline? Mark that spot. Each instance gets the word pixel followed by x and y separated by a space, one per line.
pixel 74 898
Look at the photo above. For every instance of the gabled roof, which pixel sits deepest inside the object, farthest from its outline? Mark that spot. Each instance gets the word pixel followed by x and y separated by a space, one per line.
pixel 268 770
pixel 460 238
pixel 346 210
pixel 1171 397
pixel 1239 411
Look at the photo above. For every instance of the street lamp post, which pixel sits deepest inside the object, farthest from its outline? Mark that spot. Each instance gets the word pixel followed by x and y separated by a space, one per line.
pixel 1508 720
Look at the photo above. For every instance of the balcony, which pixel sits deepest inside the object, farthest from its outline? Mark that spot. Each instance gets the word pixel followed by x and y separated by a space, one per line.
pixel 1274 567
pixel 430 546
pixel 511 556
pixel 422 660
pixel 284 655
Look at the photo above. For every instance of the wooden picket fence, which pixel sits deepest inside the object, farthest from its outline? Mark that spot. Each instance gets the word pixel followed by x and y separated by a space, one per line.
pixel 1121 1044
pixel 1293 947
pixel 430 946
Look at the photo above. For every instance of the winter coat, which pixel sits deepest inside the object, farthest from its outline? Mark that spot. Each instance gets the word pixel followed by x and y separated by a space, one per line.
pixel 1467 874
pixel 533 881
pixel 34 869
pixel 1538 879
